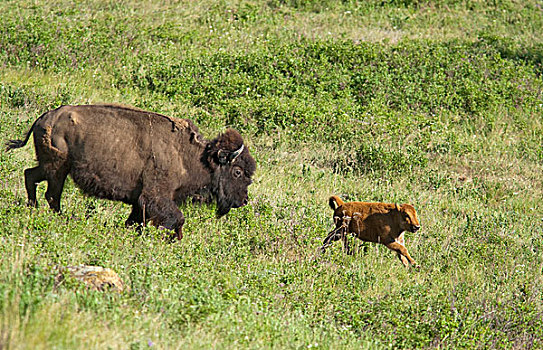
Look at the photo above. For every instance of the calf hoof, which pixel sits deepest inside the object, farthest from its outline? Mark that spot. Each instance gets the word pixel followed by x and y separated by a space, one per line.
pixel 322 249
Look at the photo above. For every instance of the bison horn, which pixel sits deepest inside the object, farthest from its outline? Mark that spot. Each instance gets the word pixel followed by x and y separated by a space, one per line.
pixel 236 153
pixel 225 157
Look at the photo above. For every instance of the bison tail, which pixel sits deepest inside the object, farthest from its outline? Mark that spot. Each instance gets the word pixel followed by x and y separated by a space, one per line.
pixel 12 144
pixel 335 202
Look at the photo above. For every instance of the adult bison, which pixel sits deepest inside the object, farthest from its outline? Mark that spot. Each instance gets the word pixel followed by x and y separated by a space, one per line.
pixel 144 159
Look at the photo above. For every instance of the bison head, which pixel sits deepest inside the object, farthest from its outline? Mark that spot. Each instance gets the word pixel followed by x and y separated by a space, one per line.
pixel 232 168
pixel 410 221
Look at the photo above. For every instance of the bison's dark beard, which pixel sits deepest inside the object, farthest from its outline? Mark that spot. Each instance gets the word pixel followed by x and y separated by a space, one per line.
pixel 222 209
pixel 224 205
pixel 207 196
pixel 217 189
pixel 226 194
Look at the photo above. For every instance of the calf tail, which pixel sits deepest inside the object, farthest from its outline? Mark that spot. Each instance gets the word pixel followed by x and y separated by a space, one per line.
pixel 12 144
pixel 335 202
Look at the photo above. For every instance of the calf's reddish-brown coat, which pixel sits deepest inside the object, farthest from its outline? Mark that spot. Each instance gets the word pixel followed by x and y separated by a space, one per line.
pixel 144 159
pixel 374 222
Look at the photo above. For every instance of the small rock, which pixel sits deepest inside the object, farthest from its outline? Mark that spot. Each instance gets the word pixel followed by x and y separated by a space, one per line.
pixel 96 277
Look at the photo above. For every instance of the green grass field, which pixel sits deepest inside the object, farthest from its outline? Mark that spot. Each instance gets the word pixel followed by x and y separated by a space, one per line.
pixel 435 103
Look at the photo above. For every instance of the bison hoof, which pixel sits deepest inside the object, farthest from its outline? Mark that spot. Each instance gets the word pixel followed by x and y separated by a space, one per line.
pixel 179 235
pixel 176 236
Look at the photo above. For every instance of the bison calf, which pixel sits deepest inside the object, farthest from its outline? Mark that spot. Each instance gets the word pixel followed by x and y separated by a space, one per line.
pixel 374 222
pixel 147 160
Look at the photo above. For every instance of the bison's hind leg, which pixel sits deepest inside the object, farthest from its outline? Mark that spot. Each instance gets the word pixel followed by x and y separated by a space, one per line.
pixel 51 151
pixel 55 185
pixel 33 176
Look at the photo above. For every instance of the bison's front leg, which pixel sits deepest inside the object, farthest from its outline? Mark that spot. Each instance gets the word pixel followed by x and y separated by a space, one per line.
pixel 135 217
pixel 163 212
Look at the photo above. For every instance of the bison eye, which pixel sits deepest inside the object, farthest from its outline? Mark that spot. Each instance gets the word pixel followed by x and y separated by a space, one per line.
pixel 237 172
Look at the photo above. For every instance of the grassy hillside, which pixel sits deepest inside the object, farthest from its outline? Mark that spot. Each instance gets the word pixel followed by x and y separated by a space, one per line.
pixel 434 103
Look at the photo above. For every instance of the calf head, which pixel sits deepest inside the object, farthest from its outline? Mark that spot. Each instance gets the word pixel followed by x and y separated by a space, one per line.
pixel 409 221
pixel 232 166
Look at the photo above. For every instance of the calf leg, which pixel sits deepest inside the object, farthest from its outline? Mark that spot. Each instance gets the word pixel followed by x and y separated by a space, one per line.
pixel 33 177
pixel 345 239
pixel 402 258
pixel 333 236
pixel 346 247
pixel 401 250
pixel 163 212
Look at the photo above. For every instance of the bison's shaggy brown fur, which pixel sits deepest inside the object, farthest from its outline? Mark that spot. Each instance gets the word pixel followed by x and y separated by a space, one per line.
pixel 144 159
pixel 374 222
